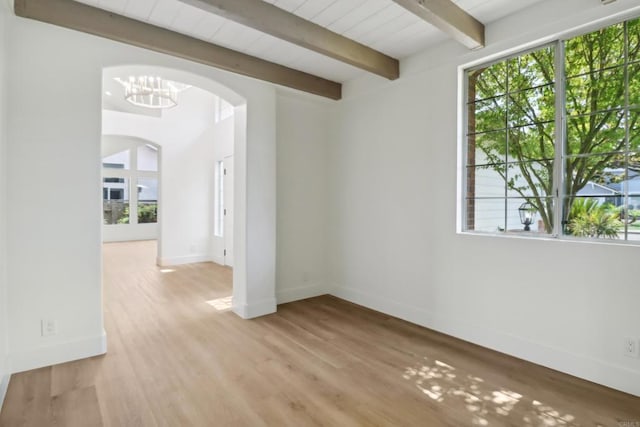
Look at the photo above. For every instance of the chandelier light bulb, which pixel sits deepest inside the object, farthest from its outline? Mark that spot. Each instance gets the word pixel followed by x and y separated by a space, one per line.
pixel 151 92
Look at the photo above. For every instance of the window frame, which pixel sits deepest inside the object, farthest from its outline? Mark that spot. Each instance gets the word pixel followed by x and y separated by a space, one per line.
pixel 218 229
pixel 560 143
pixel 132 175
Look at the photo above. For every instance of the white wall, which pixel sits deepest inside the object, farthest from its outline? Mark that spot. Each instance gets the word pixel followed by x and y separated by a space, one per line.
pixel 302 196
pixel 4 365
pixel 186 208
pixel 54 259
pixel 393 246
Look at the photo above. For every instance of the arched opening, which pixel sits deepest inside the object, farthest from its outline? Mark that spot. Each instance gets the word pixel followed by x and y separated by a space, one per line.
pixel 196 141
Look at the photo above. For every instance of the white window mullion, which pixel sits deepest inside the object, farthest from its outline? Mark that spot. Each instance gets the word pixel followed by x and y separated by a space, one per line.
pixel 133 185
pixel 627 144
pixel 560 137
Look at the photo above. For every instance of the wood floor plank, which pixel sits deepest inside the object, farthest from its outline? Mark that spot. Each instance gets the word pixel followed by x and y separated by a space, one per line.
pixel 179 356
pixel 28 400
pixel 74 375
pixel 77 408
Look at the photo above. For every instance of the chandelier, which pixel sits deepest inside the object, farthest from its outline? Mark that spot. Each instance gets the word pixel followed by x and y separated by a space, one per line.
pixel 151 92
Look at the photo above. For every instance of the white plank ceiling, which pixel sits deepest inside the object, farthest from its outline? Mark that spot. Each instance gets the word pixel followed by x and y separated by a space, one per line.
pixel 379 24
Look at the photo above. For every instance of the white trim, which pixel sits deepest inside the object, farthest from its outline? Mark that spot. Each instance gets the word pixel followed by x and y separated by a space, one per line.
pixel 260 308
pixel 461 147
pixel 180 260
pixel 58 353
pixel 598 371
pixel 217 259
pixel 303 292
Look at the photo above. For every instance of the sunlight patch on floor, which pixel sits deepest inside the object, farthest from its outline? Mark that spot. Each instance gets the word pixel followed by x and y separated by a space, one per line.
pixel 442 383
pixel 221 304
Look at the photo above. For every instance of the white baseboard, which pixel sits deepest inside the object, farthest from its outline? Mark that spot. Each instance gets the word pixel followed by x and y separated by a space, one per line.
pixel 129 232
pixel 4 385
pixel 217 259
pixel 58 353
pixel 180 260
pixel 256 309
pixel 598 371
pixel 303 292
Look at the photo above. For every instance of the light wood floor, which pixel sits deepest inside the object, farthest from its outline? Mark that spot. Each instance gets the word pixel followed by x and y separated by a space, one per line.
pixel 178 357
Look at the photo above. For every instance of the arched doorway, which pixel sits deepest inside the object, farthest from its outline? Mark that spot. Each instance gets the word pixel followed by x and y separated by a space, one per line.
pixel 241 273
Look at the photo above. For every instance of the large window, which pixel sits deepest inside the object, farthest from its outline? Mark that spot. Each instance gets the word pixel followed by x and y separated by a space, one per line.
pixel 130 184
pixel 553 139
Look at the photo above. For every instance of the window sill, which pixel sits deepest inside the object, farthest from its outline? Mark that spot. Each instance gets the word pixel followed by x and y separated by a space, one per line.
pixel 527 235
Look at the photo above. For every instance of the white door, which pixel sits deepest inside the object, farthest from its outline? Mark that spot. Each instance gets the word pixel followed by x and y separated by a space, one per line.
pixel 227 191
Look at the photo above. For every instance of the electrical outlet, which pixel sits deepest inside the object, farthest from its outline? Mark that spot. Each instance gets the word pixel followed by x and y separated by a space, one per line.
pixel 631 347
pixel 49 327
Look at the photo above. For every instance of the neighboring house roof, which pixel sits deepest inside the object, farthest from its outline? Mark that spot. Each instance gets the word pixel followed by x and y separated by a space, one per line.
pixel 614 188
pixel 594 189
pixel 633 186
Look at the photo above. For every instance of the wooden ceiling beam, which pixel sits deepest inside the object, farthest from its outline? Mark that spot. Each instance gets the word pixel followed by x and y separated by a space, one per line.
pixel 279 23
pixel 92 20
pixel 448 17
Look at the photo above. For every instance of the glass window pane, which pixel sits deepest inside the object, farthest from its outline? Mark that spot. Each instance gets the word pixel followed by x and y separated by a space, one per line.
pixel 530 179
pixel 634 130
pixel 535 142
pixel 532 69
pixel 488 82
pixel 486 148
pixel 120 160
pixel 632 214
pixel 598 91
pixel 596 133
pixel 633 36
pixel 633 160
pixel 486 181
pixel 486 215
pixel 596 188
pixel 593 217
pixel 530 215
pixel 147 200
pixel 147 158
pixel 634 84
pixel 633 230
pixel 115 204
pixel 599 175
pixel 487 115
pixel 599 49
pixel 532 106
